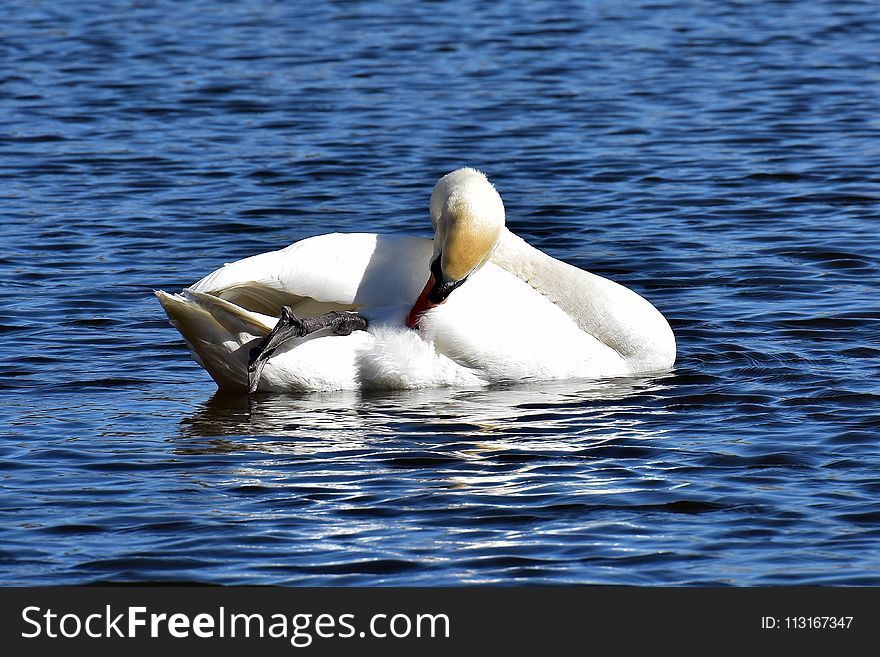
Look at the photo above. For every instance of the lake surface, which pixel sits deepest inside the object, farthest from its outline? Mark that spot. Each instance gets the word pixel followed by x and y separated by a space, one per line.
pixel 720 158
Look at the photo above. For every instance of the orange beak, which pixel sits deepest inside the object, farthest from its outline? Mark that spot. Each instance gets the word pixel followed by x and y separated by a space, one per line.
pixel 422 304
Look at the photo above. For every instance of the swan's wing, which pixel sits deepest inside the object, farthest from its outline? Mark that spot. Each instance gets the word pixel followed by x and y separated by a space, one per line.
pixel 328 272
pixel 223 315
pixel 219 334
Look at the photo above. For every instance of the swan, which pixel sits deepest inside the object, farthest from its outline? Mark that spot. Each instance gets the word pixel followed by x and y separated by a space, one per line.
pixel 348 311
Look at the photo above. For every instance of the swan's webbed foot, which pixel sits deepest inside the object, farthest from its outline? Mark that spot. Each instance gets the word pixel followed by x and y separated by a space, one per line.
pixel 290 327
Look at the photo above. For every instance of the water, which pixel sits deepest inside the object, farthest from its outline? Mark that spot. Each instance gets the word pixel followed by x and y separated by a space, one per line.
pixel 720 158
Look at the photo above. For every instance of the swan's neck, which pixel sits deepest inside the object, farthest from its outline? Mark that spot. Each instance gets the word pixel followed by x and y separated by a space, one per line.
pixel 613 314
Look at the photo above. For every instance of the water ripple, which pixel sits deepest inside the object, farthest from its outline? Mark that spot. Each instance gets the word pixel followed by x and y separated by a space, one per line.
pixel 719 159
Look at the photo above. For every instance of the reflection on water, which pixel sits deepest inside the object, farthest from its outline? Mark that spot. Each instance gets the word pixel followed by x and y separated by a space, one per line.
pixel 462 446
pixel 555 413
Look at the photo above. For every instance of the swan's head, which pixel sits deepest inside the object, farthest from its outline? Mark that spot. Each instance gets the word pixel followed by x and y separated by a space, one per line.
pixel 468 217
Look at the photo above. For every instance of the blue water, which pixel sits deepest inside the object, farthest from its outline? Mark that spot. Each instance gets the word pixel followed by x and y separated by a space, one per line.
pixel 720 158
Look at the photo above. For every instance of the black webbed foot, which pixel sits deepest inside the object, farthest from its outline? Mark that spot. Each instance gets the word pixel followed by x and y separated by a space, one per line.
pixel 290 327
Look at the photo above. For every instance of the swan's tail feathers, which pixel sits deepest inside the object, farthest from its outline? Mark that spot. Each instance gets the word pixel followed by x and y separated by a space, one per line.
pixel 219 334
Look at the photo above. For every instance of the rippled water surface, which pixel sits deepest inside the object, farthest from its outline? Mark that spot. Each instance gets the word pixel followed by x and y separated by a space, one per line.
pixel 720 158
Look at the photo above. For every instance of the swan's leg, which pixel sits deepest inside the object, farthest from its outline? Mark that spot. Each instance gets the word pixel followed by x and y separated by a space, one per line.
pixel 290 327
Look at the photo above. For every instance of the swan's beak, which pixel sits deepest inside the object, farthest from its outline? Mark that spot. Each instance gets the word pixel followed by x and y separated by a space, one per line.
pixel 437 289
pixel 423 304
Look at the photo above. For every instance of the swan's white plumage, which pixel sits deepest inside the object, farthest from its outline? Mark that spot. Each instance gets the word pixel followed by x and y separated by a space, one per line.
pixel 339 269
pixel 501 326
pixel 522 315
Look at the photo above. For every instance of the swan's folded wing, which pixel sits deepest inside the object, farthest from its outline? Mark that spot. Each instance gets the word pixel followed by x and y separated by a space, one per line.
pixel 219 334
pixel 339 271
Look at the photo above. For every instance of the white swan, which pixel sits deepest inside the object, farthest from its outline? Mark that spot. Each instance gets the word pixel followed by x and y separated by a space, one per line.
pixel 494 309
